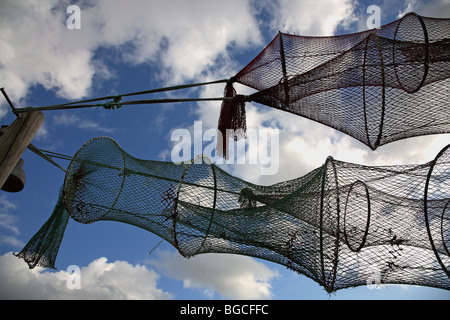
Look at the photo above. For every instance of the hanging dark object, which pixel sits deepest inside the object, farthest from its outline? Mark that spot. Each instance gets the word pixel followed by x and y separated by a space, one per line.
pixel 16 180
pixel 232 120
pixel 342 224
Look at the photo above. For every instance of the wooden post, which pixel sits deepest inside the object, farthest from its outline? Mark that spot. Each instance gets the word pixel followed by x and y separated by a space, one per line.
pixel 16 139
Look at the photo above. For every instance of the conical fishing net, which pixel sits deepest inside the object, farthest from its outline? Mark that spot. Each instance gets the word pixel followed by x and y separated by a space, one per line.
pixel 342 224
pixel 378 86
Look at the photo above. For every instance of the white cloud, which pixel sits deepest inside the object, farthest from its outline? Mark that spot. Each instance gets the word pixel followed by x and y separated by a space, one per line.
pixel 433 8
pixel 42 133
pixel 410 6
pixel 8 222
pixel 100 279
pixel 6 204
pixel 35 53
pixel 11 241
pixel 308 17
pixel 72 120
pixel 230 276
pixel 183 38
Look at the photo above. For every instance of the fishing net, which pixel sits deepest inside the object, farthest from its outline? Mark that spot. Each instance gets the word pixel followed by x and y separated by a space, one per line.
pixel 342 224
pixel 378 86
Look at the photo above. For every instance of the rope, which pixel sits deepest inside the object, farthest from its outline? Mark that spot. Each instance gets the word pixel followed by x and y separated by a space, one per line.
pixel 52 154
pixel 9 101
pixel 44 156
pixel 116 99
pixel 114 105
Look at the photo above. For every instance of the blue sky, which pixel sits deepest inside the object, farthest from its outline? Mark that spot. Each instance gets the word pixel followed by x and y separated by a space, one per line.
pixel 137 45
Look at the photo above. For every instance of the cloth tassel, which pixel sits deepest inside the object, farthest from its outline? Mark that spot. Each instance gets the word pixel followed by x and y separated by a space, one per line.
pixel 43 247
pixel 232 120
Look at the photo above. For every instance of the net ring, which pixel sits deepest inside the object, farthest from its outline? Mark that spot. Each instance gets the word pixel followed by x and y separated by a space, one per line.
pixel 373 132
pixel 329 263
pixel 412 70
pixel 359 188
pixel 179 246
pixel 445 216
pixel 430 193
pixel 80 198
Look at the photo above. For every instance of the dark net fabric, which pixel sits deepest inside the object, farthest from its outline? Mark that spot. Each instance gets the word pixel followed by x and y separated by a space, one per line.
pixel 342 224
pixel 378 86
pixel 42 249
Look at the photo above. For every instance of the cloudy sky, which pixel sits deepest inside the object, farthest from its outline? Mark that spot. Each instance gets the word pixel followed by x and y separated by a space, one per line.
pixel 127 46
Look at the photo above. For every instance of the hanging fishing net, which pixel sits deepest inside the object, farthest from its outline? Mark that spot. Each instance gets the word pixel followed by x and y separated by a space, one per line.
pixel 377 86
pixel 343 225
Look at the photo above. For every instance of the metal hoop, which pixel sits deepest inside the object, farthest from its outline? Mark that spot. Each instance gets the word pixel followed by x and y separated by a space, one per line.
pixel 426 58
pixel 364 238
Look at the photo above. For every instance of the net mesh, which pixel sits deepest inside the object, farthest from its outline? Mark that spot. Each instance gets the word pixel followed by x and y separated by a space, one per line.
pixel 378 86
pixel 343 225
pixel 43 247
